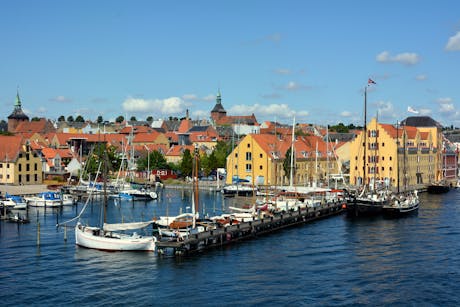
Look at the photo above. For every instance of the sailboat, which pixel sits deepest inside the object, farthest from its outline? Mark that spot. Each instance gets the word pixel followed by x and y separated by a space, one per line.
pixel 405 202
pixel 109 237
pixel 368 202
pixel 185 224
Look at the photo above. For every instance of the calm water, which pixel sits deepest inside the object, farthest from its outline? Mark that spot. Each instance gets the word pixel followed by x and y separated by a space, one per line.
pixel 337 261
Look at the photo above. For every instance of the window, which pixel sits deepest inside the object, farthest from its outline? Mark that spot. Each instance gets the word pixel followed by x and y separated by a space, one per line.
pixel 27 178
pixel 7 165
pixel 27 156
pixel 249 145
pixel 20 178
pixel 248 167
pixel 20 167
pixel 236 155
pixel 36 177
pixel 248 156
pixel 27 167
pixel 261 156
pixel 261 167
pixel 35 167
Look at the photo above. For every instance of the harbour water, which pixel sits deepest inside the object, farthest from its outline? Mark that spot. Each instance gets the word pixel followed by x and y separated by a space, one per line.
pixel 336 261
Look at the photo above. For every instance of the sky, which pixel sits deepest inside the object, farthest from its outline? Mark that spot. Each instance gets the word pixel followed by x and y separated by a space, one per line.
pixel 279 60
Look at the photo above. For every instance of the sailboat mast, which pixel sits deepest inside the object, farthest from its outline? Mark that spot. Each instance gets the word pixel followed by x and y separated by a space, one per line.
pixel 397 154
pixel 195 185
pixel 365 136
pixel 291 175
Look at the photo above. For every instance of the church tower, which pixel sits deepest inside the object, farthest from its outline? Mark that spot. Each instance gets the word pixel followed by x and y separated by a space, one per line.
pixel 218 112
pixel 17 116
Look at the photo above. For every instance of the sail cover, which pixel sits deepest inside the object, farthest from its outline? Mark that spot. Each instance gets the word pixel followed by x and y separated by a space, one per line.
pixel 126 226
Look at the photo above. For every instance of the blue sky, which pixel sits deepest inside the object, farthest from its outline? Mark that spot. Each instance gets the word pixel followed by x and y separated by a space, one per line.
pixel 276 59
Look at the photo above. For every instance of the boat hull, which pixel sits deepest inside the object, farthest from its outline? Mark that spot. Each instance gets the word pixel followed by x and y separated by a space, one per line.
pixel 96 238
pixel 364 207
pixel 437 189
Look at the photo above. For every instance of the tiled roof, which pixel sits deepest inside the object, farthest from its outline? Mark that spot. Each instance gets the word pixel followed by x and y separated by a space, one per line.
pixel 10 147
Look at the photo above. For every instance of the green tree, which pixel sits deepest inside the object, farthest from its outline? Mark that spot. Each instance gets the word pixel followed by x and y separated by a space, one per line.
pixel 79 119
pixel 70 119
pixel 149 119
pixel 209 163
pixel 35 119
pixel 133 119
pixel 100 120
pixel 221 151
pixel 186 165
pixel 97 157
pixel 61 118
pixel 287 163
pixel 119 119
pixel 157 161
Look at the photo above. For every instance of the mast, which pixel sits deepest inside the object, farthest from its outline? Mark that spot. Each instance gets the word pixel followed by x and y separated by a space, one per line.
pixel 365 136
pixel 195 185
pixel 291 175
pixel 397 154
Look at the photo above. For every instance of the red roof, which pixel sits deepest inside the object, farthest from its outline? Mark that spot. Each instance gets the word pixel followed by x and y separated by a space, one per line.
pixel 10 146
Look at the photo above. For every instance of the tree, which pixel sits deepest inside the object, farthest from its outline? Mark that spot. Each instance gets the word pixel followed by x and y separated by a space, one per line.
pixel 100 120
pixel 156 160
pixel 133 119
pixel 61 118
pixel 149 119
pixel 287 164
pixel 119 119
pixel 97 157
pixel 35 119
pixel 186 165
pixel 208 163
pixel 80 119
pixel 70 118
pixel 221 151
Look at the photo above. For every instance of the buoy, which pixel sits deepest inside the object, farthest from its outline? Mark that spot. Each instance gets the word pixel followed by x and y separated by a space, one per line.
pixel 344 206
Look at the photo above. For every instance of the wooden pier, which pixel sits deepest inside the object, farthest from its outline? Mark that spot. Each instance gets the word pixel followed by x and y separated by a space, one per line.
pixel 246 230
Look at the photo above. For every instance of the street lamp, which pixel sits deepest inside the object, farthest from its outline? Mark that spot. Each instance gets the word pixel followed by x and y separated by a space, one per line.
pixel 148 162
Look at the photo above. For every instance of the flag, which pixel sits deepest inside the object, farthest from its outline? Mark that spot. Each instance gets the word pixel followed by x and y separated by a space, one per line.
pixel 370 81
pixel 411 110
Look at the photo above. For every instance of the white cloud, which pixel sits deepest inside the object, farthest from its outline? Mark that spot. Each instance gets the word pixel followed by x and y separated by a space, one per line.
pixel 168 106
pixel 283 71
pixel 406 58
pixel 346 114
pixel 421 77
pixel 294 86
pixel 267 111
pixel 424 112
pixel 453 44
pixel 60 99
pixel 446 105
pixel 194 97
pixel 385 109
pixel 191 97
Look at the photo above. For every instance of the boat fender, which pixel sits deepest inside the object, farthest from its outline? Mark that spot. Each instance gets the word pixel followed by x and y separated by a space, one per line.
pixel 344 206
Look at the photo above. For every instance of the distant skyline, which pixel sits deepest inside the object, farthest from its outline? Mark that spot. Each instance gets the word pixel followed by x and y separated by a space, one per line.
pixel 276 59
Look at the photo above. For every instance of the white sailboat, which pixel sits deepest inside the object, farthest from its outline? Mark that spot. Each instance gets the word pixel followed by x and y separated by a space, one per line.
pixel 108 237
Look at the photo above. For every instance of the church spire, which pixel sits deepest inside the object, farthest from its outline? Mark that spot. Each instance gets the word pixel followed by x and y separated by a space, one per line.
pixel 17 104
pixel 218 98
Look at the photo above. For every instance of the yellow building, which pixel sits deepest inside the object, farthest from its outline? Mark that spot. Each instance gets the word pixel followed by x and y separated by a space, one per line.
pixel 259 158
pixel 18 163
pixel 392 156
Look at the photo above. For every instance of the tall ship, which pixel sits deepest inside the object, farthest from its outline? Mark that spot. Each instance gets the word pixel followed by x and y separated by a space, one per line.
pixel 368 200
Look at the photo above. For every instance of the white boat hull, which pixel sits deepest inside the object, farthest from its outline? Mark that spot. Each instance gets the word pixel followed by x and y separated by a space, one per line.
pixel 96 238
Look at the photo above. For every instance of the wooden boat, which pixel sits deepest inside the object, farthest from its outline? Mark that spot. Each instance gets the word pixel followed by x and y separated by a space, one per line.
pixel 438 188
pixel 401 205
pixel 16 218
pixel 108 237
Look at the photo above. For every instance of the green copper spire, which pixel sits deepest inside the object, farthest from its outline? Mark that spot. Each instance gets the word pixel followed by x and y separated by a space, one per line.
pixel 18 99
pixel 218 98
